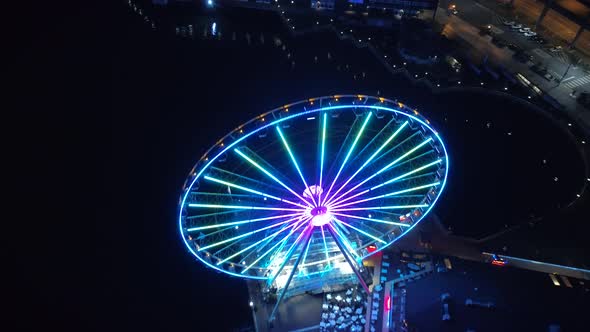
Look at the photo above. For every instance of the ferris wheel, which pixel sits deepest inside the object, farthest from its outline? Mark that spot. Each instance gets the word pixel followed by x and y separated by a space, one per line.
pixel 312 187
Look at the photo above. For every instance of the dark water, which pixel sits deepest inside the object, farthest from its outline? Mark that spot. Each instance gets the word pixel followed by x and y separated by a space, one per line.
pixel 173 97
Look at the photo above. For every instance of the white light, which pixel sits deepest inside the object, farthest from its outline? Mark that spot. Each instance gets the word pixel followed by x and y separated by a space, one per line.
pixel 569 124
pixel 251 304
pixel 505 88
pixel 209 3
pixel 321 219
pixel 237 227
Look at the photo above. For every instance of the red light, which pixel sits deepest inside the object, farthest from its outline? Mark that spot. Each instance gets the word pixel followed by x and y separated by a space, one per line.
pixel 371 248
pixel 498 263
pixel 388 303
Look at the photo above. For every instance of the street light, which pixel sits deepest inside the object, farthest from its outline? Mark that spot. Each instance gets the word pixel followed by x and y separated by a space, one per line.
pixel 251 304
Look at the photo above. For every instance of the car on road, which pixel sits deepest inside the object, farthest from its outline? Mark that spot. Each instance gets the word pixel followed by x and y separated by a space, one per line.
pixel 473 303
pixel 522 56
pixel 497 260
pixel 445 300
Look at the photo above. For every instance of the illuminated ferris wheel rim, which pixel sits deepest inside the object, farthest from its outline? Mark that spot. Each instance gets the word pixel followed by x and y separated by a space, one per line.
pixel 315 105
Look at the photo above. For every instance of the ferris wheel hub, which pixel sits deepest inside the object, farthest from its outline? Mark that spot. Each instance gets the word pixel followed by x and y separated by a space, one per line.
pixel 320 216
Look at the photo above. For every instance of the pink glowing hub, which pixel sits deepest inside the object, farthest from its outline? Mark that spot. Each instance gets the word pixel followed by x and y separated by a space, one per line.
pixel 320 216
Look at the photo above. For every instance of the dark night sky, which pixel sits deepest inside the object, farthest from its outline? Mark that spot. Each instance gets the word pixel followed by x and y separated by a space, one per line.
pixel 103 170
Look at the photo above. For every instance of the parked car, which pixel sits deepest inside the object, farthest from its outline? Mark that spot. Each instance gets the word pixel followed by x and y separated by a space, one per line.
pixel 508 22
pixel 514 47
pixel 524 30
pixel 555 49
pixel 548 77
pixel 499 43
pixel 530 34
pixel 516 26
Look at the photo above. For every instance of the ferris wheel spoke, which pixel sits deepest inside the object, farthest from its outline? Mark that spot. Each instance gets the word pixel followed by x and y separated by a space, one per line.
pixel 241 207
pixel 214 214
pixel 389 207
pixel 388 166
pixel 283 240
pixel 294 161
pixel 375 137
pixel 254 163
pixel 343 238
pixel 360 231
pixel 288 255
pixel 229 184
pixel 233 243
pixel 358 136
pixel 307 245
pixel 248 179
pixel 325 245
pixel 396 193
pixel 247 234
pixel 272 236
pixel 347 257
pixel 438 161
pixel 371 219
pixel 395 147
pixel 368 161
pixel 322 151
pixel 234 223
